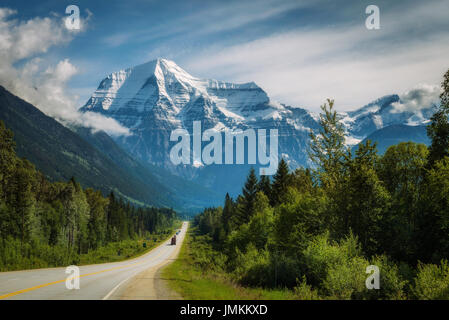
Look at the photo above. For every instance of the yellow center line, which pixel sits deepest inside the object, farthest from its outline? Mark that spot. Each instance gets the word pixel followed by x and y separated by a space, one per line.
pixel 8 295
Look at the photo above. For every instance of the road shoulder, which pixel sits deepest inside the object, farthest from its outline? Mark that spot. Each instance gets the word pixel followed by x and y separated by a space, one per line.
pixel 149 284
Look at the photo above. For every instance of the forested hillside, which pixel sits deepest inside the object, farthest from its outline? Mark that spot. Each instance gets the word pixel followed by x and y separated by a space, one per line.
pixel 316 231
pixel 60 153
pixel 45 223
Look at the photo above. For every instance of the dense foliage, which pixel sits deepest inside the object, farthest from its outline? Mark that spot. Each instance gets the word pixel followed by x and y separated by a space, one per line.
pixel 44 223
pixel 316 231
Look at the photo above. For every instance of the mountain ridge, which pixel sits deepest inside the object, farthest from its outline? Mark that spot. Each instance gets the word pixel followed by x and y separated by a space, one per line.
pixel 158 97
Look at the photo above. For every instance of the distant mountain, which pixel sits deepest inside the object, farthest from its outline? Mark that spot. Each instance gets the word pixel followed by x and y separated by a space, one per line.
pixel 61 153
pixel 383 113
pixel 157 97
pixel 397 133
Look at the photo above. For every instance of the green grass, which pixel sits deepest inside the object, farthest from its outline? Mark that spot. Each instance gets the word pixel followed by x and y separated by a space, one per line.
pixel 192 283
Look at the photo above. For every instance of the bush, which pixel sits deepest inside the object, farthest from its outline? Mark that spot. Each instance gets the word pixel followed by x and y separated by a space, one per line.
pixel 392 282
pixel 303 291
pixel 264 268
pixel 347 280
pixel 320 255
pixel 204 256
pixel 432 282
pixel 253 267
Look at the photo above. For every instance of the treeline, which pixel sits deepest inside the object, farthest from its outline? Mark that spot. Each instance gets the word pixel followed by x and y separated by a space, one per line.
pixel 45 223
pixel 316 231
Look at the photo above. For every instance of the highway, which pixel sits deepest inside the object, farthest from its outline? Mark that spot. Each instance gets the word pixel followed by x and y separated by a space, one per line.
pixel 97 282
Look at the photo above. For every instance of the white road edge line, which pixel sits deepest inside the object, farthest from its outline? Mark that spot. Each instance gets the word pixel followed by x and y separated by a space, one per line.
pixel 106 297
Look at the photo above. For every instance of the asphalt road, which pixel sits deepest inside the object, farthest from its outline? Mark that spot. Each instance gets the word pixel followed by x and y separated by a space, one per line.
pixel 97 282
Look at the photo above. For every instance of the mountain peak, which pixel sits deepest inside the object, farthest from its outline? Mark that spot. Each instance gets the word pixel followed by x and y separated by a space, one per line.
pixel 149 84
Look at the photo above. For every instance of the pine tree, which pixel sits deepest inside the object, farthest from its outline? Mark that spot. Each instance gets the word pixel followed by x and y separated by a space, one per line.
pixel 281 183
pixel 228 212
pixel 247 204
pixel 265 185
pixel 327 149
pixel 23 202
pixel 7 158
pixel 302 180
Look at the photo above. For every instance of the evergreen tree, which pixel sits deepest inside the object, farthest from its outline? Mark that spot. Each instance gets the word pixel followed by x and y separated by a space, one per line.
pixel 247 201
pixel 281 183
pixel 228 212
pixel 302 180
pixel 327 149
pixel 23 202
pixel 265 185
pixel 7 158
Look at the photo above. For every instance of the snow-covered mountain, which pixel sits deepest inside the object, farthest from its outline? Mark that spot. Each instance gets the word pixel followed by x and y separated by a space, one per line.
pixel 157 97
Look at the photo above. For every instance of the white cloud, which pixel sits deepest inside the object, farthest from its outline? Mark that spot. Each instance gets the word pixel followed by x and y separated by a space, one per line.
pixel 421 96
pixel 23 73
pixel 208 20
pixel 347 62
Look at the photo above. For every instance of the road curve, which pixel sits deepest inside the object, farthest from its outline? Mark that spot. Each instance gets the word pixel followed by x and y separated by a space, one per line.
pixel 97 282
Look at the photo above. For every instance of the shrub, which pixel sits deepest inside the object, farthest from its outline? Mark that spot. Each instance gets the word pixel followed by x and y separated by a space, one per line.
pixel 320 255
pixel 347 280
pixel 253 267
pixel 392 283
pixel 432 282
pixel 303 291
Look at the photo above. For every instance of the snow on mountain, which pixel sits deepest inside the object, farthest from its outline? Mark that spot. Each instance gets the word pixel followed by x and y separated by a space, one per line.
pixel 380 114
pixel 163 83
pixel 157 97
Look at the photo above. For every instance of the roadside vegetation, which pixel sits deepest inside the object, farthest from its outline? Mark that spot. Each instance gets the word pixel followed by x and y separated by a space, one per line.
pixel 312 233
pixel 50 224
pixel 197 274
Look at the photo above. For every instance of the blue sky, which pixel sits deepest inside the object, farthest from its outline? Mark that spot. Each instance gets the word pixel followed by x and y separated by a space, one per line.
pixel 300 52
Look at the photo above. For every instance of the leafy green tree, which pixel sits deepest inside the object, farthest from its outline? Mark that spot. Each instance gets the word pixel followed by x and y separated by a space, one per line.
pixel 365 199
pixel 433 223
pixel 297 220
pixel 402 169
pixel 438 129
pixel 97 218
pixel 257 231
pixel 22 200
